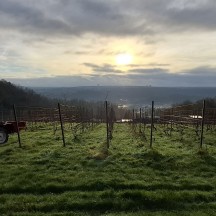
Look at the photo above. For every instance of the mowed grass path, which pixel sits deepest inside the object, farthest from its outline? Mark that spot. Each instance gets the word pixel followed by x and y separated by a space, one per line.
pixel 43 178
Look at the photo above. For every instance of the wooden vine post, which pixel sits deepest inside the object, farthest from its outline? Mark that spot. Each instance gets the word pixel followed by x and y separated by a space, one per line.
pixel 17 125
pixel 62 127
pixel 202 124
pixel 152 124
pixel 107 124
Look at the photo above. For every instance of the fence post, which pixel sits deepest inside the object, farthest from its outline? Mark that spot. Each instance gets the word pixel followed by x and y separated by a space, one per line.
pixel 202 123
pixel 152 124
pixel 62 127
pixel 17 125
pixel 140 118
pixel 107 124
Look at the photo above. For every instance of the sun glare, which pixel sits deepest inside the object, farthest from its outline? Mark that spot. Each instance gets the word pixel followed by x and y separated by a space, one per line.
pixel 124 59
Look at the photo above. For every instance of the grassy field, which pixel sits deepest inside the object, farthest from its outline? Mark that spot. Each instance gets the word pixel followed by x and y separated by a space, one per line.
pixel 43 178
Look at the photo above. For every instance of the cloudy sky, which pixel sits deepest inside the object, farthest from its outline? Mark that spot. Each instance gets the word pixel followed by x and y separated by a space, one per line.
pixel 108 42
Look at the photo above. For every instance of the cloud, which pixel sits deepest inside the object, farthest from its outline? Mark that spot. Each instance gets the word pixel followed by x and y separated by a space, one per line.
pixel 16 15
pixel 199 77
pixel 204 71
pixel 148 71
pixel 137 69
pixel 93 66
pixel 177 15
pixel 105 68
pixel 81 52
pixel 110 18
pixel 149 65
pixel 44 35
pixel 196 77
pixel 68 18
pixel 194 19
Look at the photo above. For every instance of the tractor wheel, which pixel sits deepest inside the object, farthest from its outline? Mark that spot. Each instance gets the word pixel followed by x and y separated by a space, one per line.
pixel 3 136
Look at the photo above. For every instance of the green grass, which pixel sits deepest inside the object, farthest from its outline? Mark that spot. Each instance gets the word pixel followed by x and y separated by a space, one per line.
pixel 43 178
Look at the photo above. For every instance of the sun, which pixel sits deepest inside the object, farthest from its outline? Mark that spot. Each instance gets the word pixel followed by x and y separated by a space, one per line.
pixel 123 59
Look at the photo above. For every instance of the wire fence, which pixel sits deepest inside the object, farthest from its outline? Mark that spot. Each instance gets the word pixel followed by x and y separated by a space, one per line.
pixel 73 119
pixel 198 119
pixel 79 119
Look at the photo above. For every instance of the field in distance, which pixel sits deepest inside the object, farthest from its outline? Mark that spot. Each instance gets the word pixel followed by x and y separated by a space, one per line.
pixel 44 178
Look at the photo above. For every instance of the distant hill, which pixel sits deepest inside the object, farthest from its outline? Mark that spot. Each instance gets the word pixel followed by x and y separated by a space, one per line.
pixel 11 94
pixel 130 95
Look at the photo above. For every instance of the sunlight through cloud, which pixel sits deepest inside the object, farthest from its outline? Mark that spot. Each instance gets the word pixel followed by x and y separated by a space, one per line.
pixel 124 59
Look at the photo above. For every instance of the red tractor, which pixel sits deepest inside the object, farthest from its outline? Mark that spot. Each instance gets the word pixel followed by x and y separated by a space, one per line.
pixel 9 127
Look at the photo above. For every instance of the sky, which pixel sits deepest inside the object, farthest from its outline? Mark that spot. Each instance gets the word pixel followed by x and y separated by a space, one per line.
pixel 55 43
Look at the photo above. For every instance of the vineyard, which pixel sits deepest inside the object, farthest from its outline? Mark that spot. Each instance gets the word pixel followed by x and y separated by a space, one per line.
pixel 77 120
pixel 75 161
